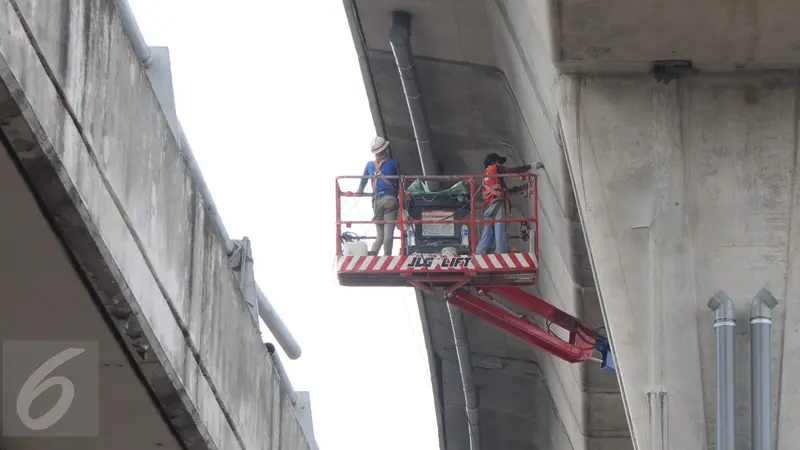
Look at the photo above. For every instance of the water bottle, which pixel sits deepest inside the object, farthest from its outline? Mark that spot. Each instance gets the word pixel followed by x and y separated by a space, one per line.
pixel 464 236
pixel 410 236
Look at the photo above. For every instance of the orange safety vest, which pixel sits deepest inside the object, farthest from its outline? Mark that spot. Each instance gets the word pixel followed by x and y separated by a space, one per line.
pixel 494 189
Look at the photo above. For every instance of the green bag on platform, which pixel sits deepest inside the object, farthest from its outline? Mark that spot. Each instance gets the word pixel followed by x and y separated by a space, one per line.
pixel 417 190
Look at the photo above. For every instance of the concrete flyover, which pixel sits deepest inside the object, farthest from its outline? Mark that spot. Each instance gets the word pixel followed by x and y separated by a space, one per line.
pixel 109 238
pixel 668 132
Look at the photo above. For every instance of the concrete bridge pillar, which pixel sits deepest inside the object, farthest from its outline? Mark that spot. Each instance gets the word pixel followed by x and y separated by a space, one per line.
pixel 684 188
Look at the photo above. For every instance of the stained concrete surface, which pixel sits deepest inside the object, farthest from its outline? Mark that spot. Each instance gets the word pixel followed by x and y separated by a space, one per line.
pixel 82 121
pixel 613 35
pixel 662 193
pixel 688 188
pixel 46 300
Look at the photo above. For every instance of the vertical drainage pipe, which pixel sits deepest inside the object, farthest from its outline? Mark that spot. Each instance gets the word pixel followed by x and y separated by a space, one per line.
pixel 400 43
pixel 724 326
pixel 266 310
pixel 760 373
pixel 276 326
pixel 282 375
pixel 129 22
pixel 465 367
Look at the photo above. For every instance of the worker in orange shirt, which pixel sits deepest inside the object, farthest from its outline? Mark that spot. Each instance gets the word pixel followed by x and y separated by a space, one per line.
pixel 496 203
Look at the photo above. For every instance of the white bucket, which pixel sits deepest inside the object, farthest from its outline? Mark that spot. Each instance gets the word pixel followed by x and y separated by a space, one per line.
pixel 355 249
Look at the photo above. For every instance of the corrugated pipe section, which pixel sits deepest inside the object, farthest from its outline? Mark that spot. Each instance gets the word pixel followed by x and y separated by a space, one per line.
pixel 400 42
pixel 265 309
pixel 284 378
pixel 465 367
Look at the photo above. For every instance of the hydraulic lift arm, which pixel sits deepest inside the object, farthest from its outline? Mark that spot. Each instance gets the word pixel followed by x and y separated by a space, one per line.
pixel 579 347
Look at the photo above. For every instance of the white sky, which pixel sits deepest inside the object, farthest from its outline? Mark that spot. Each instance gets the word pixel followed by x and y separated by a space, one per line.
pixel 270 95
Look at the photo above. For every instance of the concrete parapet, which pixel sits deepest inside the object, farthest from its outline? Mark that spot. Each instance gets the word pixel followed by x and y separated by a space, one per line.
pixel 80 114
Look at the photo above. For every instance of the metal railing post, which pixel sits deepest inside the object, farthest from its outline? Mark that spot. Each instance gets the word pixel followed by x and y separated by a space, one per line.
pixel 472 226
pixel 401 199
pixel 536 216
pixel 338 220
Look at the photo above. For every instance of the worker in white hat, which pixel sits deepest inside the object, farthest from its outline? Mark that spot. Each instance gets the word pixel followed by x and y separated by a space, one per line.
pixel 384 193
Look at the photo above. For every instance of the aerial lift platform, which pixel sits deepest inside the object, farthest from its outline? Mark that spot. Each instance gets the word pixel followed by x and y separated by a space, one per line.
pixel 438 234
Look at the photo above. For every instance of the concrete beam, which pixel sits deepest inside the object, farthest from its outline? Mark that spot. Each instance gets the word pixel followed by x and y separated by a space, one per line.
pixel 86 127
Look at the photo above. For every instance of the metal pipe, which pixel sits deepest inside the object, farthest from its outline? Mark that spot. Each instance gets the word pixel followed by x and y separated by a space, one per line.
pixel 465 366
pixel 400 43
pixel 129 22
pixel 266 310
pixel 277 327
pixel 760 373
pixel 282 375
pixel 724 325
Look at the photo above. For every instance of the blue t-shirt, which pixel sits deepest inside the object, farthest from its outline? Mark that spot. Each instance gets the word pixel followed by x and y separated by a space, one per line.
pixel 389 168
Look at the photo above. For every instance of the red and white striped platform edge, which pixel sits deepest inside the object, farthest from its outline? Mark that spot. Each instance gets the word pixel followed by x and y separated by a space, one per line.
pixel 434 262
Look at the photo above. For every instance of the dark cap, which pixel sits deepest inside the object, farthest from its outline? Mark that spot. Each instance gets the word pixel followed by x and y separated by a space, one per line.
pixel 492 158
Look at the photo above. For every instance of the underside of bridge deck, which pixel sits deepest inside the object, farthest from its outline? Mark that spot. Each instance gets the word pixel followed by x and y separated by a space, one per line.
pixel 626 105
pixel 527 399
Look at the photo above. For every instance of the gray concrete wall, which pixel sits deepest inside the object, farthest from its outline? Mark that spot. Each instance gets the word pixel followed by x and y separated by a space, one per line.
pixel 587 400
pixel 81 116
pixel 684 189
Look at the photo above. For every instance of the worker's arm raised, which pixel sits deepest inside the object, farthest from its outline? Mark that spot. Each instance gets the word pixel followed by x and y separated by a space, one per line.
pixel 518 169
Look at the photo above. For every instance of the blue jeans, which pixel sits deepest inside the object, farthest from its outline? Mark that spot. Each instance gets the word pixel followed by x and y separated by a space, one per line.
pixel 494 232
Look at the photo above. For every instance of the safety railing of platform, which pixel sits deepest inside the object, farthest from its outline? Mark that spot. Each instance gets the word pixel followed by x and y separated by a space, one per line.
pixel 531 186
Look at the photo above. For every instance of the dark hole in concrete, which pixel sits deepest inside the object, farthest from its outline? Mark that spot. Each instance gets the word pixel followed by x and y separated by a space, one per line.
pixel 666 71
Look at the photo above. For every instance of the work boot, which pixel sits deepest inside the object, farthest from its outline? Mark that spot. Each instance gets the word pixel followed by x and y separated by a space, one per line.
pixel 371 253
